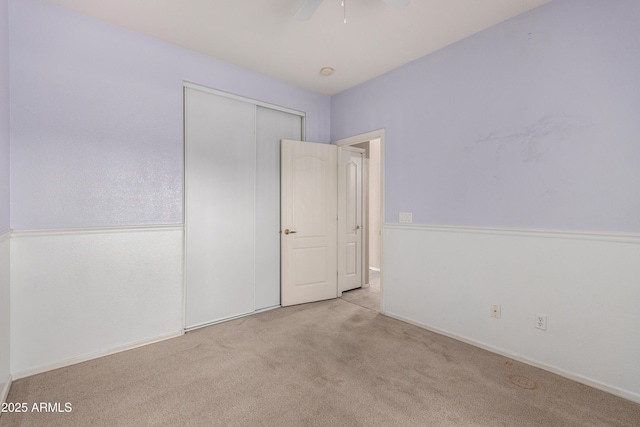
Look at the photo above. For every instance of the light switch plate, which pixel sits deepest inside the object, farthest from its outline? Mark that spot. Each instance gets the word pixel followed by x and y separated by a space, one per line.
pixel 406 217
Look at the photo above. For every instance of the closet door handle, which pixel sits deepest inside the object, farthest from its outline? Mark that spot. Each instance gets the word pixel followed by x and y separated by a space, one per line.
pixel 287 231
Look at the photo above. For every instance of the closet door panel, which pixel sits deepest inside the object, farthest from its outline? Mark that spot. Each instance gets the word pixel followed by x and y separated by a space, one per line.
pixel 271 127
pixel 220 207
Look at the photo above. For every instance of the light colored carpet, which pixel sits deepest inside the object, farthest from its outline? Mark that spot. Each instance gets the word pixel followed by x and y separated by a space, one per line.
pixel 367 297
pixel 330 363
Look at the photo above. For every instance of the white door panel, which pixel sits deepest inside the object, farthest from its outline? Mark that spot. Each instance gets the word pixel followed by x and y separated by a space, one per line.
pixel 271 127
pixel 351 223
pixel 309 221
pixel 232 205
pixel 219 210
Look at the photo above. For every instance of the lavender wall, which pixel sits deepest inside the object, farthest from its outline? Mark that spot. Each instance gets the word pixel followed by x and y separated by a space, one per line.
pixel 97 119
pixel 5 277
pixel 532 123
pixel 4 116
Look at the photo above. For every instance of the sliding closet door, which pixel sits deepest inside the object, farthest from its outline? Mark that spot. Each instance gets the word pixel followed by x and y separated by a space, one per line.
pixel 271 127
pixel 220 179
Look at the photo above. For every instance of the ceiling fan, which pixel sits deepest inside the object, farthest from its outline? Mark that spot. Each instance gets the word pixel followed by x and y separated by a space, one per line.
pixel 308 7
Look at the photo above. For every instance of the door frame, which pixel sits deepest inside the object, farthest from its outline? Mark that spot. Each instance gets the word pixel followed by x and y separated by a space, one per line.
pixel 359 139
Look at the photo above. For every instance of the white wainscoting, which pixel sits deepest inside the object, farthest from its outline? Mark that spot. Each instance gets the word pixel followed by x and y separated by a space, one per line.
pixel 588 286
pixel 5 339
pixel 81 294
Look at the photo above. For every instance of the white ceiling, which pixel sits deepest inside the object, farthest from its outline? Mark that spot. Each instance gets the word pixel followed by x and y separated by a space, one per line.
pixel 262 35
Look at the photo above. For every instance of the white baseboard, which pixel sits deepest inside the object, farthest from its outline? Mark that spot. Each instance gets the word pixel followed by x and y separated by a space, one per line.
pixel 5 392
pixel 563 373
pixel 96 355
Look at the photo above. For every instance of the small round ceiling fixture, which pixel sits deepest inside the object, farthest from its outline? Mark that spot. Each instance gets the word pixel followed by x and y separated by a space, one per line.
pixel 326 71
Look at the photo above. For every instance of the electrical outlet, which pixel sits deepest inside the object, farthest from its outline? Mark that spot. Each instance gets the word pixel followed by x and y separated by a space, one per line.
pixel 541 321
pixel 495 311
pixel 405 217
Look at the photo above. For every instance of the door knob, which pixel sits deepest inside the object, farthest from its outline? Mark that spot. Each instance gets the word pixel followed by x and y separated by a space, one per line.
pixel 287 231
pixel 357 227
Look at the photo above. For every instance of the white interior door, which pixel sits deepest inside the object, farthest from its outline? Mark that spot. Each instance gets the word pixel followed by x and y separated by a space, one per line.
pixel 351 218
pixel 308 222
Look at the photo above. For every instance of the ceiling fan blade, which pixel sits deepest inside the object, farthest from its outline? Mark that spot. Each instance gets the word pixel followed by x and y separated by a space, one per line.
pixel 306 9
pixel 397 4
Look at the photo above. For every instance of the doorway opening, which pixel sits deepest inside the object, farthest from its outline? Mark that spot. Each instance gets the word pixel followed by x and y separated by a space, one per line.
pixel 370 295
